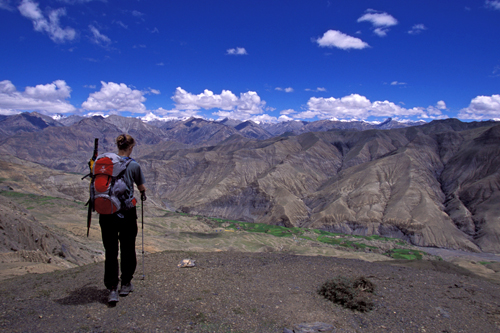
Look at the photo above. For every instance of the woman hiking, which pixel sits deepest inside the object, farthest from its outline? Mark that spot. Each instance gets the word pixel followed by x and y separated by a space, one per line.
pixel 119 230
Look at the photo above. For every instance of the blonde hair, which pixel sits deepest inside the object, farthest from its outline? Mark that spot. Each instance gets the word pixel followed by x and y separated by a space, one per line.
pixel 124 141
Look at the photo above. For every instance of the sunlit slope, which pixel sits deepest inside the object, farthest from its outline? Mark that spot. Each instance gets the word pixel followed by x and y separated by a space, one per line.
pixel 433 185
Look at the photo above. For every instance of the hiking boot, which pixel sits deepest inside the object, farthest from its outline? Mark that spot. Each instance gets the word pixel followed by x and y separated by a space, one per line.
pixel 113 296
pixel 126 289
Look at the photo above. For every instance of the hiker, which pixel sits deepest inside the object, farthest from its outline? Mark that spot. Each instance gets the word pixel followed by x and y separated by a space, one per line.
pixel 120 229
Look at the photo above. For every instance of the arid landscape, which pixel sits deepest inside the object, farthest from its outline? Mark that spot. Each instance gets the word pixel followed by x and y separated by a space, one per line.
pixel 434 185
pixel 412 204
pixel 309 166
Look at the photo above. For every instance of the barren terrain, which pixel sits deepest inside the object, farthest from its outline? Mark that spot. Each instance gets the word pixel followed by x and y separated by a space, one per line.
pixel 242 282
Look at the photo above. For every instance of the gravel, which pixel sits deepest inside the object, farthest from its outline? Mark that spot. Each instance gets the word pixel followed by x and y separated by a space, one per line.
pixel 251 292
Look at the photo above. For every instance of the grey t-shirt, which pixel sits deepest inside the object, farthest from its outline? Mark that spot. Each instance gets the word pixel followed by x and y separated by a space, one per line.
pixel 132 175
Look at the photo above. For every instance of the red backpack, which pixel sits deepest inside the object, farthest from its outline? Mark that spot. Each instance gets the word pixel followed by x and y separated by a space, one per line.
pixel 108 191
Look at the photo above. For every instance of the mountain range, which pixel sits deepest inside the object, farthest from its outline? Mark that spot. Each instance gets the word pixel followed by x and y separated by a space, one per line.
pixel 434 184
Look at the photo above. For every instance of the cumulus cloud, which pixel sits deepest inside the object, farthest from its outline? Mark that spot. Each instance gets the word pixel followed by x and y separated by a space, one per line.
pixel 335 38
pixel 357 107
pixel 416 29
pixel 166 115
pixel 380 21
pixel 284 118
pixel 237 51
pixel 287 112
pixel 482 108
pixel 397 83
pixel 98 38
pixel 351 106
pixel 245 106
pixel 48 99
pixel 495 4
pixel 114 97
pixel 264 118
pixel 441 105
pixel 50 24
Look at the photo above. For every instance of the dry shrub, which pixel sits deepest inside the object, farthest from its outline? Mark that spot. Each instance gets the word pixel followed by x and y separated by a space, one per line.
pixel 351 293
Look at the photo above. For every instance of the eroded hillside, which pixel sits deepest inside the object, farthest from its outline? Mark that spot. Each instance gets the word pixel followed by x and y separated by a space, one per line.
pixel 434 185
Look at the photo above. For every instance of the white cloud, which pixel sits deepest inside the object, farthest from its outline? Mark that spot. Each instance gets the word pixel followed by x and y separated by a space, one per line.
pixel 98 38
pixel 441 105
pixel 245 106
pixel 176 113
pixel 114 97
pixel 206 100
pixel 309 115
pixel 482 108
pixel 288 90
pixel 50 25
pixel 334 38
pixel 352 106
pixel 416 29
pixel 287 112
pixel 48 99
pixel 319 89
pixel 495 4
pixel 380 21
pixel 150 116
pixel 397 83
pixel 237 51
pixel 264 118
pixel 357 107
pixel 284 118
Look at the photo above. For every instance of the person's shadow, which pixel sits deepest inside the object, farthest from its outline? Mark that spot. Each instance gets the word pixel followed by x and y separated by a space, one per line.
pixel 85 295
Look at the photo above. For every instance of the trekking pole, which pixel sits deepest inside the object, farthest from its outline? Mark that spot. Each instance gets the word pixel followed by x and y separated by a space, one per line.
pixel 90 203
pixel 142 218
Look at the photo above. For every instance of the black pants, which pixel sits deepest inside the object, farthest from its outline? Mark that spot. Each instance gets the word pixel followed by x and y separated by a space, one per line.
pixel 119 230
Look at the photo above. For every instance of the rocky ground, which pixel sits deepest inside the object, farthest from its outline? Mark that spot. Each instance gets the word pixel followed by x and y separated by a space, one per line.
pixel 242 281
pixel 251 292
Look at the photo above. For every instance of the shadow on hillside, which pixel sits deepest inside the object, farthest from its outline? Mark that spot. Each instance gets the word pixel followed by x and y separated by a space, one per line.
pixel 200 234
pixel 84 295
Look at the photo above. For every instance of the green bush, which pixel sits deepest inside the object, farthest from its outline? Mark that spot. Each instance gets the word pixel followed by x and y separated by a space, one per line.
pixel 405 254
pixel 351 293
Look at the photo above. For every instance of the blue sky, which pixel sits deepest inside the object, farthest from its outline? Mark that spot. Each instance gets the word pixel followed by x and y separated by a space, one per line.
pixel 262 60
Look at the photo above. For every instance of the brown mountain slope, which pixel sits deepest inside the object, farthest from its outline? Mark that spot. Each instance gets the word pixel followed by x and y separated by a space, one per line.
pixel 471 181
pixel 371 182
pixel 435 185
pixel 24 239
